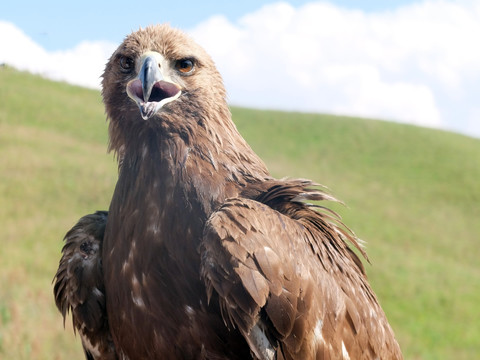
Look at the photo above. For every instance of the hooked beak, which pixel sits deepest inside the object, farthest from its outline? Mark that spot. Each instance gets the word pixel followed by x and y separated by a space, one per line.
pixel 150 90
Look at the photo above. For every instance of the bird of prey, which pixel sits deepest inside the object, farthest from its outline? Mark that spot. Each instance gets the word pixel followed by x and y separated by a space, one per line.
pixel 203 254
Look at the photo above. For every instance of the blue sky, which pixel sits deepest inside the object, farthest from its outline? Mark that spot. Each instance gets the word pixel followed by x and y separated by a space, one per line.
pixel 412 61
pixel 61 24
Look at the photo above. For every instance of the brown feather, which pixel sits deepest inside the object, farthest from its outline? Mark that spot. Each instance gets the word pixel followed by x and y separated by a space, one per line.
pixel 329 292
pixel 79 288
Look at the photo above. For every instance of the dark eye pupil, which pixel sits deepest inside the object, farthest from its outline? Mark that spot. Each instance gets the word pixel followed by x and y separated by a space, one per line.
pixel 184 65
pixel 126 63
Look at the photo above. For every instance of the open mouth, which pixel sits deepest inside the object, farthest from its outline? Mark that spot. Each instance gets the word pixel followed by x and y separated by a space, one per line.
pixel 162 92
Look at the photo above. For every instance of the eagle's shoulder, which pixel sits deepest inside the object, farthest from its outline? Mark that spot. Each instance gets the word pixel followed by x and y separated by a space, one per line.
pixel 286 277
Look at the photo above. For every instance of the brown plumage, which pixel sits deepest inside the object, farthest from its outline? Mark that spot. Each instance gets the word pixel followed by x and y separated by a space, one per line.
pixel 79 286
pixel 204 254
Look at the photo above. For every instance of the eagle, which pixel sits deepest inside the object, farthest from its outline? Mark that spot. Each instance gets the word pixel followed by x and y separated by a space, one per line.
pixel 202 253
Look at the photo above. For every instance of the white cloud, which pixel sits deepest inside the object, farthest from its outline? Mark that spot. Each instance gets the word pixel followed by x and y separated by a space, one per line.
pixel 412 64
pixel 419 63
pixel 82 65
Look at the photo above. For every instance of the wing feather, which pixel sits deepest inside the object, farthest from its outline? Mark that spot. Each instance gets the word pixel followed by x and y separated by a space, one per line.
pixel 79 286
pixel 280 266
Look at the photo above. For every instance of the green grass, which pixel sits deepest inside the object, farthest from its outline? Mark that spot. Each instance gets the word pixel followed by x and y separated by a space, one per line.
pixel 412 193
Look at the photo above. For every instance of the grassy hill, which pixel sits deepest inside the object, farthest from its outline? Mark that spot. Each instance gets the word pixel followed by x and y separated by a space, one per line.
pixel 413 194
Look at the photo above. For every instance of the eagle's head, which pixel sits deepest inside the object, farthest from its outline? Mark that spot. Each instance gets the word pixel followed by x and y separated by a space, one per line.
pixel 160 84
pixel 160 70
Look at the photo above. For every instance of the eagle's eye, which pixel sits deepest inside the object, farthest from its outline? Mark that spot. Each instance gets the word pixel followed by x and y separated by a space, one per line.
pixel 126 64
pixel 185 66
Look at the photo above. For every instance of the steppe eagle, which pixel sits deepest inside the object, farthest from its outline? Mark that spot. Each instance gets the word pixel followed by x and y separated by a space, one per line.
pixel 203 254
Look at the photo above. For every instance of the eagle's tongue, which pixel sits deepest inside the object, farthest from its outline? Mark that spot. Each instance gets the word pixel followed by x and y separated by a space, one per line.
pixel 148 109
